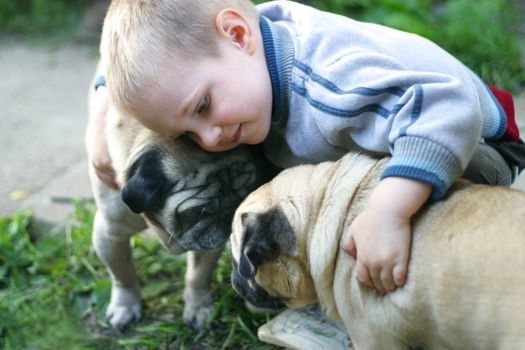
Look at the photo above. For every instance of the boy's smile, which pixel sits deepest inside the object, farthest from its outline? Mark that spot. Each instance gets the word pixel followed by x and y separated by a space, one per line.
pixel 218 101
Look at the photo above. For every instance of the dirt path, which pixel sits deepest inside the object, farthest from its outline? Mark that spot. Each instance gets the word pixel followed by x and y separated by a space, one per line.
pixel 43 99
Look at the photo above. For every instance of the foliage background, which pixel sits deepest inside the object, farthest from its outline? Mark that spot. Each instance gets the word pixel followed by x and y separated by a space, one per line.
pixel 40 17
pixel 481 33
pixel 53 289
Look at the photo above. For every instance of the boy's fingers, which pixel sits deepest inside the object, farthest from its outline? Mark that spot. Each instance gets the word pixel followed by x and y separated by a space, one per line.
pixel 387 279
pixel 108 180
pixel 378 285
pixel 348 244
pixel 362 274
pixel 400 274
pixel 106 174
pixel 111 184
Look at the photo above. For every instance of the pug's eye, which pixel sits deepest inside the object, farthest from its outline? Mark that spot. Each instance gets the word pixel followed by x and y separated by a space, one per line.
pixel 193 213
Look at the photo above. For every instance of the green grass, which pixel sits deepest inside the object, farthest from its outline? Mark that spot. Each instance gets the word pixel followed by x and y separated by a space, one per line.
pixel 40 17
pixel 54 290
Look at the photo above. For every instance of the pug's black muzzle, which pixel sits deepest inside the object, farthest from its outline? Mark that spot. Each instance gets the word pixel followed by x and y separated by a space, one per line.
pixel 253 293
pixel 206 197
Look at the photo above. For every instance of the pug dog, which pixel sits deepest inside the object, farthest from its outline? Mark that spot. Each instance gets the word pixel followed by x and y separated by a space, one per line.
pixel 185 194
pixel 465 286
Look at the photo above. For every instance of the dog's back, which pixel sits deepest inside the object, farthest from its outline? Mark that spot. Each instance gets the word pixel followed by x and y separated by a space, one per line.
pixel 466 283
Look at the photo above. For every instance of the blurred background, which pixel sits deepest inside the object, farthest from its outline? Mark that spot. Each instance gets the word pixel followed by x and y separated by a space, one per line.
pixel 53 290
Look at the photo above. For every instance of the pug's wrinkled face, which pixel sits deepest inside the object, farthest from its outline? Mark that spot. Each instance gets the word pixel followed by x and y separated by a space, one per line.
pixel 269 254
pixel 189 193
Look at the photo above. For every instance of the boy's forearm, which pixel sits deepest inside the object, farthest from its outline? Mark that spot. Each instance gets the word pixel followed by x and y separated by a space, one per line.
pixel 399 196
pixel 98 100
pixel 101 69
pixel 98 106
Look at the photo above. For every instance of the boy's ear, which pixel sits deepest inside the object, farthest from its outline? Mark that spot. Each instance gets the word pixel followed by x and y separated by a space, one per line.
pixel 232 25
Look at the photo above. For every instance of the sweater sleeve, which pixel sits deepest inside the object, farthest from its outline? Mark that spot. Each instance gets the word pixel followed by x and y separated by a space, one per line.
pixel 429 122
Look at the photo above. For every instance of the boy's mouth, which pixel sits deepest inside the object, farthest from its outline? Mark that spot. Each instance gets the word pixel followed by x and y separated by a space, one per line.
pixel 237 135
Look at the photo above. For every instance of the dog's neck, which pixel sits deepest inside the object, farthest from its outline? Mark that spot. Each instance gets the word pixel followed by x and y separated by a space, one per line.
pixel 343 199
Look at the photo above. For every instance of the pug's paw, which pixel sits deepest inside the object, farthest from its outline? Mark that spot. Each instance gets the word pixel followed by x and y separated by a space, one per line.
pixel 198 307
pixel 125 307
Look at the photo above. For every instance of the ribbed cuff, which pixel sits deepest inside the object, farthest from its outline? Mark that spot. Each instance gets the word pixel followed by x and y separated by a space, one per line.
pixel 493 115
pixel 426 161
pixel 99 81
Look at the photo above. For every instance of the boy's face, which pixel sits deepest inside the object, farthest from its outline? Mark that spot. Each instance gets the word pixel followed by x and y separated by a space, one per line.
pixel 219 102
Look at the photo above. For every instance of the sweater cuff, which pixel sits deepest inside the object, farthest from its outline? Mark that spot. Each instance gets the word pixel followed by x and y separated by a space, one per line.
pixel 99 81
pixel 426 161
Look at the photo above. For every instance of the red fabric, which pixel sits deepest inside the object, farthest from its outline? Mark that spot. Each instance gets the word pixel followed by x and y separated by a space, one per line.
pixel 505 99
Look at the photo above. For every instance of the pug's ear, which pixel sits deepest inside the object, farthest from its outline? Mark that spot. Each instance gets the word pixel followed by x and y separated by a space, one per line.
pixel 146 187
pixel 266 236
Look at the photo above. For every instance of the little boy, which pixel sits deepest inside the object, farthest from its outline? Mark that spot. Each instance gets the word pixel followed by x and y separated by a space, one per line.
pixel 312 86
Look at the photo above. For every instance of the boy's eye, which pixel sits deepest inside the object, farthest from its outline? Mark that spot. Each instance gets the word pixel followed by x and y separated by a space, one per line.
pixel 204 105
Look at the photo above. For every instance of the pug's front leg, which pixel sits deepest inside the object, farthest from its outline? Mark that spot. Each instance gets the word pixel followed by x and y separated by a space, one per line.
pixel 198 302
pixel 111 242
pixel 125 307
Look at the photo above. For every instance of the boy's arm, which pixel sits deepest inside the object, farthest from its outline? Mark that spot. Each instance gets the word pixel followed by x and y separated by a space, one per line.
pixel 429 122
pixel 96 143
pixel 379 238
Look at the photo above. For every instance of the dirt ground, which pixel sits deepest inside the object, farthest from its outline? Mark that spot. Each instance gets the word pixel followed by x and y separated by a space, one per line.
pixel 43 99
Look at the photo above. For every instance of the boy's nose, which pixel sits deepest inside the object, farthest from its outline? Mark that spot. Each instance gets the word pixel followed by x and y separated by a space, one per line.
pixel 210 136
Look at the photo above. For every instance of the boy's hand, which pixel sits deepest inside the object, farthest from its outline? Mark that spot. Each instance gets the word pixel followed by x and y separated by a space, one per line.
pixel 380 242
pixel 96 138
pixel 379 238
pixel 102 163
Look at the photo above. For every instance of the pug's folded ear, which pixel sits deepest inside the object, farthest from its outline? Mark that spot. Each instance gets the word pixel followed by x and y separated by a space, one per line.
pixel 257 247
pixel 266 236
pixel 146 187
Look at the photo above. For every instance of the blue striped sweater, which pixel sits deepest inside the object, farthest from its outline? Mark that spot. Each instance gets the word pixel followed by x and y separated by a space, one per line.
pixel 341 85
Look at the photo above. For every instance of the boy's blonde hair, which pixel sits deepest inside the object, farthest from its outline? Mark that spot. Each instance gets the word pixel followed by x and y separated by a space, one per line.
pixel 139 35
